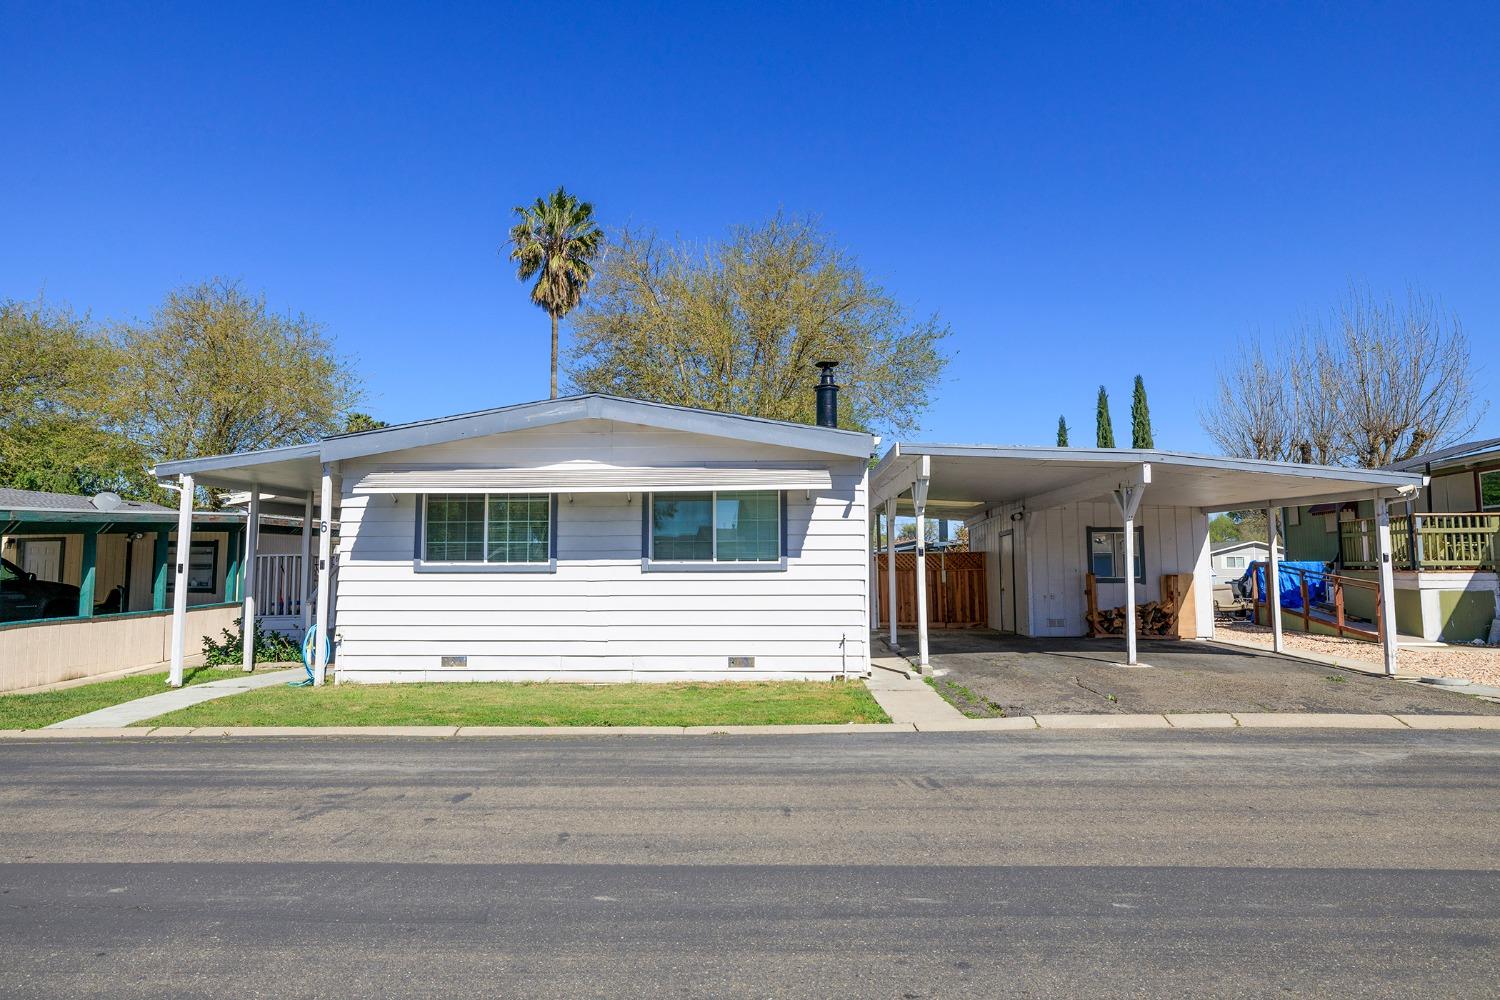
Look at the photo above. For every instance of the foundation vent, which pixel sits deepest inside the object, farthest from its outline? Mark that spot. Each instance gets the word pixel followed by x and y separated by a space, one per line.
pixel 454 661
pixel 742 663
pixel 1057 623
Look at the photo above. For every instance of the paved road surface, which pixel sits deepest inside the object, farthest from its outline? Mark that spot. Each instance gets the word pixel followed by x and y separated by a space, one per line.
pixel 938 865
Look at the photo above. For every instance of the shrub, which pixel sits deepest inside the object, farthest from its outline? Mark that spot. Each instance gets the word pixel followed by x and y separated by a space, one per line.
pixel 269 647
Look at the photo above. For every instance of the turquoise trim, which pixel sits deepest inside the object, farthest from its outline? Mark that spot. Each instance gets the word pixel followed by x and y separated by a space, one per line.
pixel 32 622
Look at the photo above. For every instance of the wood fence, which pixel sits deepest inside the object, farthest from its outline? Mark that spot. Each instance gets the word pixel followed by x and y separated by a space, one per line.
pixel 956 595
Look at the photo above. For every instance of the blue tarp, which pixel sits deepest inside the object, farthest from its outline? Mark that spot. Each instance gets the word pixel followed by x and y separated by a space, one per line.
pixel 1291 582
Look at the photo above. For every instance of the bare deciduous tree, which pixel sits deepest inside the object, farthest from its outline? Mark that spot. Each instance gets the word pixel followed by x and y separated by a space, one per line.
pixel 1374 384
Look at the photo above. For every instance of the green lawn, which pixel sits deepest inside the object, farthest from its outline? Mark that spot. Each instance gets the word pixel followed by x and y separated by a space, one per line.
pixel 538 704
pixel 33 711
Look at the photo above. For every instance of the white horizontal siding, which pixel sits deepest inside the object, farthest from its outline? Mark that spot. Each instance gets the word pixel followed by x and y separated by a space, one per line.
pixel 599 615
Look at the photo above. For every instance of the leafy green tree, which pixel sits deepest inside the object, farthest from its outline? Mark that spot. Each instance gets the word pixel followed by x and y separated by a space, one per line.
pixel 1140 417
pixel 60 427
pixel 737 326
pixel 215 371
pixel 1104 431
pixel 555 241
pixel 1062 433
pixel 1222 529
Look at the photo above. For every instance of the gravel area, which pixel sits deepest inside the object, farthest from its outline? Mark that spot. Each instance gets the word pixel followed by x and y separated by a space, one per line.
pixel 1480 664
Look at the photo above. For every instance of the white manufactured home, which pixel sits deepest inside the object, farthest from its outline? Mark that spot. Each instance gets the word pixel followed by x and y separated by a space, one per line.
pixel 586 538
pixel 596 538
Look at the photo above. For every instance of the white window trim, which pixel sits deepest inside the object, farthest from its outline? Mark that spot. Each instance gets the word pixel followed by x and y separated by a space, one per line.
pixel 422 564
pixel 650 564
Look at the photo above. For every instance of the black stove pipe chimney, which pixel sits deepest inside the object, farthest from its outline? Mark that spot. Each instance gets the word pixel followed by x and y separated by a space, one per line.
pixel 828 395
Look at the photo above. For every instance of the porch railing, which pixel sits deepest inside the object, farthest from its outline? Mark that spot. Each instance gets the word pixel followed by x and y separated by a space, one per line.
pixel 1332 614
pixel 278 585
pixel 1442 541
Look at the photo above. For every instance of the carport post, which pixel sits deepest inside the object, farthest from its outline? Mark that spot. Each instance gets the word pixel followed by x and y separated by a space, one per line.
pixel 180 578
pixel 325 558
pixel 1128 498
pixel 919 503
pixel 306 561
pixel 247 597
pixel 1273 579
pixel 1388 641
pixel 874 576
pixel 890 568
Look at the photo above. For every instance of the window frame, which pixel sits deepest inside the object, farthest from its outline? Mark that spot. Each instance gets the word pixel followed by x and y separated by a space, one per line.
pixel 1479 475
pixel 425 565
pixel 649 562
pixel 1118 529
pixel 196 546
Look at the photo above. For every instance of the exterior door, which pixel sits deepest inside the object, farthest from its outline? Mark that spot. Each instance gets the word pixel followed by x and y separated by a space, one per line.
pixel 1007 576
pixel 43 556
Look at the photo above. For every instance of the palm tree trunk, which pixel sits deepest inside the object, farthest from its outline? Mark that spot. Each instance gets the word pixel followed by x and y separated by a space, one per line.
pixel 554 355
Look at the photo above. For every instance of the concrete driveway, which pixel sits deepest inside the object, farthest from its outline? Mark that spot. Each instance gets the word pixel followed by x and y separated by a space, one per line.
pixel 991 673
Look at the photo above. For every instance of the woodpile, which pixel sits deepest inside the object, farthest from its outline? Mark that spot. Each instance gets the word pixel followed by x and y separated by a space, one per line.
pixel 1151 618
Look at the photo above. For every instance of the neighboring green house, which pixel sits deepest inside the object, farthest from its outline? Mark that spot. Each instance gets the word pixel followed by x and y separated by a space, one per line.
pixel 1444 551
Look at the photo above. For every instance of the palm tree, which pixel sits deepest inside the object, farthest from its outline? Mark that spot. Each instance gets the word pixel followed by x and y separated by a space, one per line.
pixel 555 241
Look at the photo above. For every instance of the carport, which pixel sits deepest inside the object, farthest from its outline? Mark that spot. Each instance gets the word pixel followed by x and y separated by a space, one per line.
pixel 1040 497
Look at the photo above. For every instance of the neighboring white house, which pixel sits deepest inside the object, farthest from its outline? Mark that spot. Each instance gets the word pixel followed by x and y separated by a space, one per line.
pixel 586 538
pixel 1230 559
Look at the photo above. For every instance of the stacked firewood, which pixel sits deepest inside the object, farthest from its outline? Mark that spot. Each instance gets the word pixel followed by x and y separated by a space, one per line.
pixel 1151 618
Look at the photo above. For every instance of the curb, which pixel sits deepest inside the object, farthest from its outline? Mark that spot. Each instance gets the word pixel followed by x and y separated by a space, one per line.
pixel 1024 723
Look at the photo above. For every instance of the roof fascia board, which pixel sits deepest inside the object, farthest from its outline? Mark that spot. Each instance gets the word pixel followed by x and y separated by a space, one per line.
pixel 237 460
pixel 1122 456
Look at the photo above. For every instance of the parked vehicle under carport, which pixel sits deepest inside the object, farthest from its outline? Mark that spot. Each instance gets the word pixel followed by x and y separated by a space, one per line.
pixel 23 597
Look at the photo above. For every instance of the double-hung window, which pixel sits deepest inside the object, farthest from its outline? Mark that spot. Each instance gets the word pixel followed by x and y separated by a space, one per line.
pixel 1107 555
pixel 718 527
pixel 490 529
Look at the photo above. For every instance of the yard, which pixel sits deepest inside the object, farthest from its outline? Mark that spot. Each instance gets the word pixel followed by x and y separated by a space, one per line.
pixel 539 704
pixel 1480 664
pixel 33 711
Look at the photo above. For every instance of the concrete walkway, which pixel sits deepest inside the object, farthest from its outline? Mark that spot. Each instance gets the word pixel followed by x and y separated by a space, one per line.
pixel 130 712
pixel 905 697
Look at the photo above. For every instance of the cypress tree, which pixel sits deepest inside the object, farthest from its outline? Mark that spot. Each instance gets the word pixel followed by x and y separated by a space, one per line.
pixel 1104 431
pixel 1140 418
pixel 1062 433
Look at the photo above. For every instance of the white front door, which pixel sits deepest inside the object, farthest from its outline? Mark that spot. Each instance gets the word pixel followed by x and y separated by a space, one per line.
pixel 43 556
pixel 1007 576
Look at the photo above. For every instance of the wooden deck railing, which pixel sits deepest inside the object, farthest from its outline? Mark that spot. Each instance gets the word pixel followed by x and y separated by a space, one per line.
pixel 1443 541
pixel 1336 620
pixel 278 585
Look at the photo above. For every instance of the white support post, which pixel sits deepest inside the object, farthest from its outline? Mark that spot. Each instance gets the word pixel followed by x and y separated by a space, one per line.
pixel 919 502
pixel 874 576
pixel 304 584
pixel 1273 578
pixel 890 569
pixel 325 574
pixel 247 595
pixel 1128 499
pixel 180 579
pixel 1388 641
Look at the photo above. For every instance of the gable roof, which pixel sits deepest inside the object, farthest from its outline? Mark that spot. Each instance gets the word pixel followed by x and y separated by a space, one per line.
pixel 295 469
pixel 1236 543
pixel 71 503
pixel 1454 455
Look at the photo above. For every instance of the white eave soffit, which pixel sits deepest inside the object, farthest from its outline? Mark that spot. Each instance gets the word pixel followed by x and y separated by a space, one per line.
pixel 612 479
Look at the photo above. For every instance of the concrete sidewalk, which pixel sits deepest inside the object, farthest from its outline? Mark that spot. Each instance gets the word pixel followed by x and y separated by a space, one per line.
pixel 130 712
pixel 905 697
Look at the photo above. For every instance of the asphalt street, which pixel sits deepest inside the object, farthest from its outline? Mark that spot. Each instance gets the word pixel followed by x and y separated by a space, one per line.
pixel 1143 864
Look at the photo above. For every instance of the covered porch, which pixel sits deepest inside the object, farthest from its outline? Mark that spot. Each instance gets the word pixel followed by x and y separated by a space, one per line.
pixel 1063 524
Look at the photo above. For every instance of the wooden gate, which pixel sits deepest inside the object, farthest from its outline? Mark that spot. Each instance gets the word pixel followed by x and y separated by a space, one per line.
pixel 955 590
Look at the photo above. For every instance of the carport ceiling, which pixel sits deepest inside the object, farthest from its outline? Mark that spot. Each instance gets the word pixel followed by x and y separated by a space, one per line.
pixel 971 477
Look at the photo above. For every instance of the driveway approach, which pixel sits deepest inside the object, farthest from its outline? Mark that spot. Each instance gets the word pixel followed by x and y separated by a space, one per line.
pixel 989 672
pixel 1146 864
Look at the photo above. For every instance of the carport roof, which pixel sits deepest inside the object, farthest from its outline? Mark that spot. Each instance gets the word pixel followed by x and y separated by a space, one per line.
pixel 968 478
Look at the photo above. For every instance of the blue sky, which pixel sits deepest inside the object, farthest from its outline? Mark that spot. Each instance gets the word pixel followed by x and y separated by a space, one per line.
pixel 1082 192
